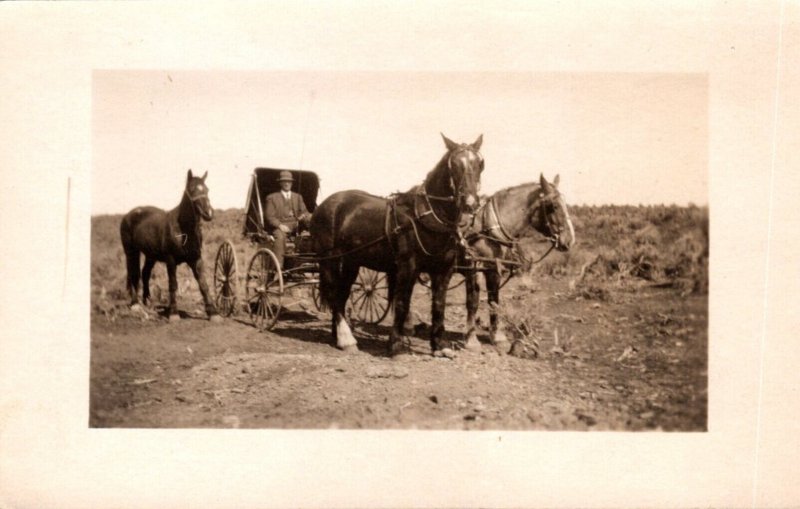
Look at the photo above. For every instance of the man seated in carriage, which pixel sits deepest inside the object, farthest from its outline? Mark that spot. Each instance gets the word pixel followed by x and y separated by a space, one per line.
pixel 285 213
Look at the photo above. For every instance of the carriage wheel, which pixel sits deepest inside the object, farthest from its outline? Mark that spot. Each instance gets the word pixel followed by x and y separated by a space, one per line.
pixel 369 296
pixel 226 274
pixel 264 289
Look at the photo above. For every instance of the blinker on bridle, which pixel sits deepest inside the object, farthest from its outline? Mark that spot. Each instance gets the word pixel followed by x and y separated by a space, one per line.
pixel 546 199
pixel 457 190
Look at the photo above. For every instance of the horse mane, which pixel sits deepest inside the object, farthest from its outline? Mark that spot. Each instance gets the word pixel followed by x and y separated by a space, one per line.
pixel 503 193
pixel 438 167
pixel 404 197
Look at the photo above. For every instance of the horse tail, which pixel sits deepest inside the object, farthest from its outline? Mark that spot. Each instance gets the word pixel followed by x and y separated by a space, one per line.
pixel 323 237
pixel 131 254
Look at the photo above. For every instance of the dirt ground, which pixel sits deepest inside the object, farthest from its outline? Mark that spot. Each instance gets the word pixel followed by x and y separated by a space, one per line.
pixel 634 360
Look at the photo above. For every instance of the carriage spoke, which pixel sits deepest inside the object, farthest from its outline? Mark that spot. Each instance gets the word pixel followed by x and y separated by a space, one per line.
pixel 364 301
pixel 361 296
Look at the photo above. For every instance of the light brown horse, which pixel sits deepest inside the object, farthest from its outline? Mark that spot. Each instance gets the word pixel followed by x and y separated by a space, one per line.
pixel 494 236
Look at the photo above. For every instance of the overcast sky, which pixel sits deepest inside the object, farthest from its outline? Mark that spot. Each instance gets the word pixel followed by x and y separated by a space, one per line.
pixel 624 138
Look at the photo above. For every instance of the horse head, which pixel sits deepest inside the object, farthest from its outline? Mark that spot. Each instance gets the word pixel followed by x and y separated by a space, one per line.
pixel 549 215
pixel 465 165
pixel 197 193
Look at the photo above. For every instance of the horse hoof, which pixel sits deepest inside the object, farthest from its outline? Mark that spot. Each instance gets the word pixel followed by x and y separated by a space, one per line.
pixel 399 348
pixel 447 353
pixel 473 345
pixel 175 318
pixel 350 349
pixel 502 347
pixel 136 308
pixel 215 319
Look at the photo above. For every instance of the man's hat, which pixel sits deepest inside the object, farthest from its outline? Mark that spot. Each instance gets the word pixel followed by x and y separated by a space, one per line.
pixel 286 176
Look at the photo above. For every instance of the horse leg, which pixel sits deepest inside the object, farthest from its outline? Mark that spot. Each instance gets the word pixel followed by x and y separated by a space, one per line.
pixel 172 311
pixel 410 323
pixel 473 301
pixel 344 335
pixel 146 271
pixel 132 260
pixel 198 269
pixel 404 287
pixel 496 334
pixel 439 346
pixel 328 275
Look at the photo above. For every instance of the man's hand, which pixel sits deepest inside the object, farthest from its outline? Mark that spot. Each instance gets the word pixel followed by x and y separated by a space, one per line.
pixel 284 228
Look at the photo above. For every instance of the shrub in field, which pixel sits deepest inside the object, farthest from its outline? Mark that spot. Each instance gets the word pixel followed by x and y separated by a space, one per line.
pixel 662 244
pixel 524 326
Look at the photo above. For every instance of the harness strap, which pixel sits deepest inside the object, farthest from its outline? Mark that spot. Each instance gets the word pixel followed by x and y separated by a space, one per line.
pixel 443 225
pixel 498 225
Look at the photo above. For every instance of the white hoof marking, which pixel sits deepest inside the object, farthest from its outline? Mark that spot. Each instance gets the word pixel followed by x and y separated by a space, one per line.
pixel 344 336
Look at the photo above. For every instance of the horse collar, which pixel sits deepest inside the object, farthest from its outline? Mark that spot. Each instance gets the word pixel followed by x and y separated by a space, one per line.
pixel 496 226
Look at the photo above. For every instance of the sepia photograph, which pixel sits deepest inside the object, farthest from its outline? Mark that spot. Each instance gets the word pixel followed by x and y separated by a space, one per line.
pixel 351 254
pixel 562 302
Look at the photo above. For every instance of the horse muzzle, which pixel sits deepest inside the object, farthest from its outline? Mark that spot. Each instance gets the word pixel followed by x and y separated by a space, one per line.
pixel 561 243
pixel 207 213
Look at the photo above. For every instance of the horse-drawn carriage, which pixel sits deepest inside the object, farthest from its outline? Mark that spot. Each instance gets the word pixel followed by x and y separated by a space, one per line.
pixel 265 283
pixel 362 250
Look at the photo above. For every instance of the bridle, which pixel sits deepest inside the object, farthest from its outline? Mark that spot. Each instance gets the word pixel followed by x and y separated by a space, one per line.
pixel 195 198
pixel 458 190
pixel 553 232
pixel 493 227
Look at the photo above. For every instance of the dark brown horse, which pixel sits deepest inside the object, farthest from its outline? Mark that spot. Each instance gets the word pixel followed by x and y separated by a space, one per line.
pixel 173 238
pixel 402 236
pixel 494 234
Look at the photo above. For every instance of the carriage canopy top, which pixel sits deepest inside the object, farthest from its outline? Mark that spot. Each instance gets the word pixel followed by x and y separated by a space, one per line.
pixel 263 182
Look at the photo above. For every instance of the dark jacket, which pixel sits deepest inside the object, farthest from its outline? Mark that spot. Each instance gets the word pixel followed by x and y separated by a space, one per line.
pixel 279 211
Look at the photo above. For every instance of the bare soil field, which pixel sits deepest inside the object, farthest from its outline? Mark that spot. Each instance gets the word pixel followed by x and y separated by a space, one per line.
pixel 607 338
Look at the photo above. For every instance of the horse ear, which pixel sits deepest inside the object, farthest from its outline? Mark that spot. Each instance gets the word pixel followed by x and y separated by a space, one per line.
pixel 203 178
pixel 189 175
pixel 543 183
pixel 450 144
pixel 556 181
pixel 478 143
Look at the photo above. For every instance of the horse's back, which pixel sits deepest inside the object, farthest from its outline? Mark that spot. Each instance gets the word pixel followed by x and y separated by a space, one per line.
pixel 143 229
pixel 343 208
pixel 346 222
